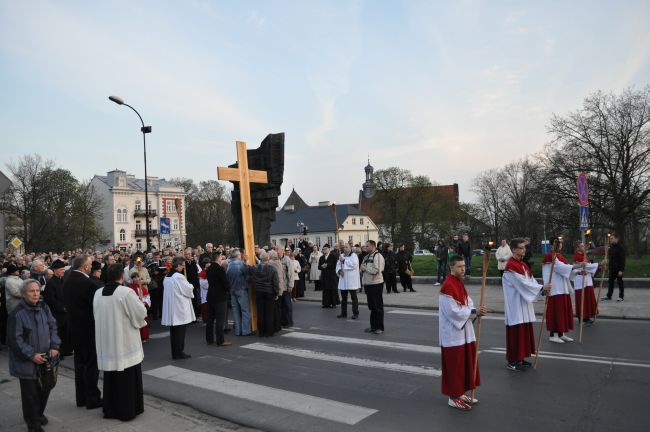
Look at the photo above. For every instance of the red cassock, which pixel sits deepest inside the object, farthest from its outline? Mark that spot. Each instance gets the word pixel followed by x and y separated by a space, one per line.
pixel 559 314
pixel 588 292
pixel 457 340
pixel 143 294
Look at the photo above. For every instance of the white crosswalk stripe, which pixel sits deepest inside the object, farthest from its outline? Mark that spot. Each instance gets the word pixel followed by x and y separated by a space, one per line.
pixel 301 403
pixel 348 360
pixel 579 358
pixel 432 313
pixel 367 342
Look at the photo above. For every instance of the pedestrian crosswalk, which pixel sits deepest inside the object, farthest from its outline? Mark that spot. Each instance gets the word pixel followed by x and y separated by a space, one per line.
pixel 353 356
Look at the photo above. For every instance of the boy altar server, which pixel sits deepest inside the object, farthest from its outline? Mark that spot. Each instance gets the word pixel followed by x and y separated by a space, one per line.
pixel 520 289
pixel 457 340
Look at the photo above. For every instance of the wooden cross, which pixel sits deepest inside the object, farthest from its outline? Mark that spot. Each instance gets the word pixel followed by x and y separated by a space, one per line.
pixel 245 177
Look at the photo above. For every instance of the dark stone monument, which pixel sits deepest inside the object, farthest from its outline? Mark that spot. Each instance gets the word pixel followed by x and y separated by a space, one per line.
pixel 269 157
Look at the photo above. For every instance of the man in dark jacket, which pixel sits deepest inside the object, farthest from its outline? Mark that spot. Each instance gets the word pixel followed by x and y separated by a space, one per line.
pixel 218 292
pixel 465 250
pixel 79 292
pixel 32 339
pixel 441 255
pixel 404 263
pixel 53 296
pixel 328 278
pixel 267 286
pixel 616 268
pixel 390 269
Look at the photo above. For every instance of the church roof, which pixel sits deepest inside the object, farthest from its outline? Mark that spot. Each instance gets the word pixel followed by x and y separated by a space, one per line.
pixel 317 218
pixel 295 200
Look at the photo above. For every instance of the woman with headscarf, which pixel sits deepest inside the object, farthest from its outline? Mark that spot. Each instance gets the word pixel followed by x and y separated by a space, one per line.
pixel 119 315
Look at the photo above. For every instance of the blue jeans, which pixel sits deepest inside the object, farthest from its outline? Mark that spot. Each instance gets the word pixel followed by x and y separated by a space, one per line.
pixel 240 313
pixel 442 270
pixel 468 265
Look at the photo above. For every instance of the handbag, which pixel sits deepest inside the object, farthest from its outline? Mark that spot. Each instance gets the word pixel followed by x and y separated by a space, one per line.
pixel 409 270
pixel 48 373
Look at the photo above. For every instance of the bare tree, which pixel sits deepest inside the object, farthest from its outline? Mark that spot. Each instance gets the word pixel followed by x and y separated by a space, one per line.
pixel 489 188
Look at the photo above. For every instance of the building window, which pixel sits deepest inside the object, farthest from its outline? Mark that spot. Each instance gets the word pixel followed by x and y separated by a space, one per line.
pixel 122 235
pixel 354 221
pixel 318 242
pixel 138 244
pixel 138 205
pixel 329 241
pixel 350 238
pixel 150 226
pixel 171 206
pixel 174 224
pixel 360 221
pixel 121 215
pixel 149 205
pixel 138 225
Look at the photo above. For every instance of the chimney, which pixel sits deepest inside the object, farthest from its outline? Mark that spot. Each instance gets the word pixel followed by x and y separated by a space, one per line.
pixel 289 208
pixel 325 203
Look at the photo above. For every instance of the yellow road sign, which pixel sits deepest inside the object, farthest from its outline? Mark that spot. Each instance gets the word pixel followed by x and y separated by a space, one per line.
pixel 16 243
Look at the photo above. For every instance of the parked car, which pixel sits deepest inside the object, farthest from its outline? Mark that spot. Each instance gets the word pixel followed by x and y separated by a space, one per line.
pixel 422 252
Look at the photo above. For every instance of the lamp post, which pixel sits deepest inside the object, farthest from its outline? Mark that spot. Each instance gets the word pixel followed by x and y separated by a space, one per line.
pixel 145 130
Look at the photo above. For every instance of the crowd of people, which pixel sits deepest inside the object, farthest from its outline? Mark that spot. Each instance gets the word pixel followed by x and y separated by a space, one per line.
pixel 58 305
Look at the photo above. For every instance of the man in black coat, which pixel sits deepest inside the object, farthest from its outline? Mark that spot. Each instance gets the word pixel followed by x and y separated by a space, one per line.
pixel 218 293
pixel 616 268
pixel 79 292
pixel 192 275
pixel 465 250
pixel 328 279
pixel 390 269
pixel 53 296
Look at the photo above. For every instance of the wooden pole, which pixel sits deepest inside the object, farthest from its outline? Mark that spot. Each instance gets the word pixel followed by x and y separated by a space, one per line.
pixel 582 303
pixel 602 278
pixel 556 247
pixel 486 263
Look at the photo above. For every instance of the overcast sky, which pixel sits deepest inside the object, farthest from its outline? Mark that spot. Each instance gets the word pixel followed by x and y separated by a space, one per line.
pixel 442 89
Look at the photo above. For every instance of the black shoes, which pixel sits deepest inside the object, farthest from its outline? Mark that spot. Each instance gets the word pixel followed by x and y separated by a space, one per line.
pixel 341 316
pixel 515 366
pixel 355 316
pixel 181 356
pixel 94 404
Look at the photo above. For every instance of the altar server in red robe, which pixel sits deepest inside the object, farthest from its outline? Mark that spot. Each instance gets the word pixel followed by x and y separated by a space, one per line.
pixel 587 293
pixel 520 289
pixel 457 340
pixel 559 314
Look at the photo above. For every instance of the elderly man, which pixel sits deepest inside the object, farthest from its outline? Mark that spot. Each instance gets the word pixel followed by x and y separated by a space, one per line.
pixel 32 340
pixel 265 280
pixel 238 279
pixel 13 285
pixel 79 292
pixel 373 281
pixel 177 307
pixel 217 299
pixel 209 253
pixel 328 280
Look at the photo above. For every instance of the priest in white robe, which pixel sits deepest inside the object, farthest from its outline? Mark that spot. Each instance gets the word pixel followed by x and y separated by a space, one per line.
pixel 347 268
pixel 177 307
pixel 520 289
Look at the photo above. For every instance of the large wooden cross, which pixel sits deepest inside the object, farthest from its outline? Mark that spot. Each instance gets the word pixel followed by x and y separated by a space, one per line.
pixel 245 177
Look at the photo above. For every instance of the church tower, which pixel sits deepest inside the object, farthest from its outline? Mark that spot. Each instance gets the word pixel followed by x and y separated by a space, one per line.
pixel 369 184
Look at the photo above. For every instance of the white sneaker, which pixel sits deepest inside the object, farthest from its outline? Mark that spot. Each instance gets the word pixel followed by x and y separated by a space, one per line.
pixel 556 340
pixel 566 338
pixel 469 400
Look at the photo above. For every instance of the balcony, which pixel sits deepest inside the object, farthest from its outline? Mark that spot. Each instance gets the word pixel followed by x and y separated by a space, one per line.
pixel 143 232
pixel 140 212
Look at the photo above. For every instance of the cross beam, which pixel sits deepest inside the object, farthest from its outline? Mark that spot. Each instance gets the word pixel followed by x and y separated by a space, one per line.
pixel 245 177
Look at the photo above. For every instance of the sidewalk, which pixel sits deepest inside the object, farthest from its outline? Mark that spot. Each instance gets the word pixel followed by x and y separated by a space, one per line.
pixel 635 306
pixel 63 414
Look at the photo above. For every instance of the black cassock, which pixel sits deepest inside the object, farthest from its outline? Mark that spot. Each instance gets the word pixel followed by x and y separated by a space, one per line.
pixel 123 395
pixel 328 280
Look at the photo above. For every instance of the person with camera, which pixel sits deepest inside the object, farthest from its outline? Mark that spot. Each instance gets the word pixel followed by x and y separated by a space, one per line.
pixel 34 347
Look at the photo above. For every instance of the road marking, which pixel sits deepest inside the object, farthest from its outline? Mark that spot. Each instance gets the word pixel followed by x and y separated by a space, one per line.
pixel 301 403
pixel 353 361
pixel 578 358
pixel 367 342
pixel 430 313
pixel 159 335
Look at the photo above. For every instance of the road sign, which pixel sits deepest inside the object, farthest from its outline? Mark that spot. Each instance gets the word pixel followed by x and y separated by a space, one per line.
pixel 164 225
pixel 584 218
pixel 583 189
pixel 16 243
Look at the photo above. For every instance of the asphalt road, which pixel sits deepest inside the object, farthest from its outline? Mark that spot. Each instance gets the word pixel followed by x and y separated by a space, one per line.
pixel 327 374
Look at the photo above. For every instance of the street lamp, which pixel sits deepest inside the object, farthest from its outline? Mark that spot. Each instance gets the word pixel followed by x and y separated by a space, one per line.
pixel 145 130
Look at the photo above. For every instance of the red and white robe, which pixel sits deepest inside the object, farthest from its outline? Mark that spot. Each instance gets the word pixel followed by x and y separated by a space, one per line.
pixel 457 340
pixel 520 289
pixel 588 292
pixel 143 294
pixel 559 314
